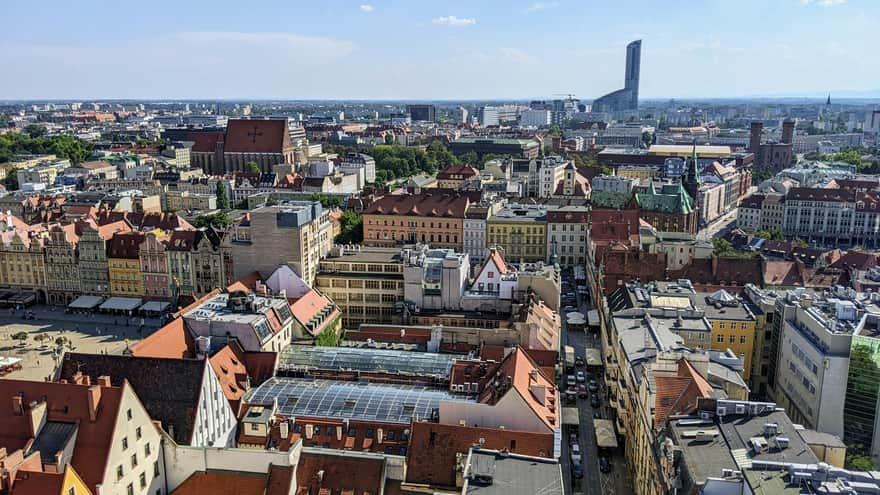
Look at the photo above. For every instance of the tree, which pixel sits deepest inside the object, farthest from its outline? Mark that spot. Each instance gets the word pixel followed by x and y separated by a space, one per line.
pixel 22 336
pixel 218 220
pixel 857 459
pixel 222 197
pixel 555 130
pixel 389 139
pixel 647 139
pixel 774 234
pixel 10 182
pixel 327 201
pixel 470 158
pixel 327 338
pixel 252 167
pixel 722 247
pixel 34 130
pixel 800 243
pixel 351 229
pixel 42 338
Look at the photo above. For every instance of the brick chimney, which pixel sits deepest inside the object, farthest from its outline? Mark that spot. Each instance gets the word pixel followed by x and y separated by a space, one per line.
pixel 104 381
pixel 788 131
pixel 94 400
pixel 17 405
pixel 80 379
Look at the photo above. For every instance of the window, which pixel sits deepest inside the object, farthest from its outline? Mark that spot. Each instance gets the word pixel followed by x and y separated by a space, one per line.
pixel 124 443
pixel 137 432
pixel 119 472
pixel 329 431
pixel 134 460
pixel 129 490
pixel 128 414
pixel 155 469
pixel 390 435
pixel 369 433
pixel 255 427
pixel 352 432
pixel 742 339
pixel 733 339
pixel 147 450
pixel 720 339
pixel 71 491
pixel 143 480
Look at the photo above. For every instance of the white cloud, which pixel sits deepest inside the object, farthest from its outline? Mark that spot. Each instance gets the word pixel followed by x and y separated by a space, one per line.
pixel 542 6
pixel 823 3
pixel 365 7
pixel 451 20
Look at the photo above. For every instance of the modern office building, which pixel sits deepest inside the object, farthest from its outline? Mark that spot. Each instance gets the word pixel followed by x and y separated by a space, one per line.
pixel 421 113
pixel 628 97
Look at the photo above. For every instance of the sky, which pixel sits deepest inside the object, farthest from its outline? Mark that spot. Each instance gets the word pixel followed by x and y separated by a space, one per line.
pixel 426 50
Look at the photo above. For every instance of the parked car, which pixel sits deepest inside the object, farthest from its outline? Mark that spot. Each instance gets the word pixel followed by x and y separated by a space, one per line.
pixel 577 470
pixel 571 395
pixel 582 392
pixel 604 465
pixel 597 414
pixel 579 362
pixel 572 439
pixel 581 377
pixel 570 380
pixel 594 401
pixel 575 450
pixel 594 386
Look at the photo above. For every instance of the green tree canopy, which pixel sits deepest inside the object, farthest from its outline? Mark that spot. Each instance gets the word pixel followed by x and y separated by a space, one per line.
pixel 327 201
pixel 35 130
pixel 253 167
pixel 351 228
pixel 222 197
pixel 774 234
pixel 218 220
pixel 722 247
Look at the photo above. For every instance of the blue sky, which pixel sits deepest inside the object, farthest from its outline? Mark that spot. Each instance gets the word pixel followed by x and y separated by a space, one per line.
pixel 398 49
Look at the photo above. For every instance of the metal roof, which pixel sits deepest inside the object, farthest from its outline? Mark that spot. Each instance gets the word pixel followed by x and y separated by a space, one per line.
pixel 298 357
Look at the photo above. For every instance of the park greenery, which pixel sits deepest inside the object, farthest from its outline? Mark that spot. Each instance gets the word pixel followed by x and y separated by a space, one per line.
pixel 222 196
pixel 33 140
pixel 351 228
pixel 328 201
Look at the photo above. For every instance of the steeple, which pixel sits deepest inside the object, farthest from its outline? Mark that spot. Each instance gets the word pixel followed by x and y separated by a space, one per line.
pixel 828 101
pixel 693 172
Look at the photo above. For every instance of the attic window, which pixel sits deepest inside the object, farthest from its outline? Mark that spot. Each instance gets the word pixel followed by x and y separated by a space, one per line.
pixel 291 401
pixel 349 404
pixel 232 388
pixel 233 361
pixel 224 370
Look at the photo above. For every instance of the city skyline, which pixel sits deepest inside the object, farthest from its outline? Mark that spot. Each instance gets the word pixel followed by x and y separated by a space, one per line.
pixel 392 50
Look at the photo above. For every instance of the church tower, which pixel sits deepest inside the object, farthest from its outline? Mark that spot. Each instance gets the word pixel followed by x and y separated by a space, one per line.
pixel 691 176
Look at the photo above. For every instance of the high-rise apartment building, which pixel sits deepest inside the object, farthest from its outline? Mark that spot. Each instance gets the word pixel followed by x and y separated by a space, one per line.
pixel 628 97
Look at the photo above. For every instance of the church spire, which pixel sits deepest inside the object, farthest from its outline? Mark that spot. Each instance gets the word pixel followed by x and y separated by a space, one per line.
pixel 828 101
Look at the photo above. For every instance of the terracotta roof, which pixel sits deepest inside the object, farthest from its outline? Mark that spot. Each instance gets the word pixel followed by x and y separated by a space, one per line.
pixel 246 283
pixel 229 483
pixel 678 394
pixel 205 141
pixel 425 204
pixel 171 341
pixel 496 256
pixel 752 201
pixel 169 389
pixel 818 194
pixel 125 245
pixel 256 136
pixel 464 171
pixel 518 365
pixel 433 450
pixel 67 403
pixel 363 476
pixel 783 273
pixel 310 305
pixel 37 483
pixel 859 260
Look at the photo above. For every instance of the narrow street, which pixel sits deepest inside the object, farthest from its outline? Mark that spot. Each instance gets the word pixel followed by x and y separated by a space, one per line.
pixel 617 481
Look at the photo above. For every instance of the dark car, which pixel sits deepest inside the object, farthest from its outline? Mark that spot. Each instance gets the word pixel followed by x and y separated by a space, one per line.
pixel 604 465
pixel 582 392
pixel 579 362
pixel 594 401
pixel 577 471
pixel 597 415
pixel 594 386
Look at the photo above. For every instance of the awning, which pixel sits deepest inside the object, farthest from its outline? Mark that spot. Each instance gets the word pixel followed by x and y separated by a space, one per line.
pixel 593 317
pixel 570 416
pixel 23 298
pixel 155 306
pixel 121 304
pixel 85 302
pixel 593 357
pixel 605 437
pixel 8 362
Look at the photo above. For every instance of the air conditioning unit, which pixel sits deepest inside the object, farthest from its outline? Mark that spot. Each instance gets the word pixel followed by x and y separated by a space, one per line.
pixel 721 411
pixel 782 443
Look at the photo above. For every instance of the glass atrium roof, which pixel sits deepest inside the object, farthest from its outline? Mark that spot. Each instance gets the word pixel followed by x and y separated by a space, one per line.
pixel 298 357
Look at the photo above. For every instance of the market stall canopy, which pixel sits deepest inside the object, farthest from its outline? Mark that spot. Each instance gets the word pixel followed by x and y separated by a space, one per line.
pixel 605 437
pixel 593 317
pixel 155 306
pixel 121 304
pixel 593 357
pixel 85 302
pixel 570 416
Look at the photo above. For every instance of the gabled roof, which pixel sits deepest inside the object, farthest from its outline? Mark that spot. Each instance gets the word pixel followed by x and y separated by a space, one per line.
pixel 496 258
pixel 125 245
pixel 310 306
pixel 524 378
pixel 67 403
pixel 277 481
pixel 171 341
pixel 678 394
pixel 425 204
pixel 169 389
pixel 256 136
pixel 465 171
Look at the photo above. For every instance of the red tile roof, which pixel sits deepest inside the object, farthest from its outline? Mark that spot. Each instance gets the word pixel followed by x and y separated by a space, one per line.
pixel 425 204
pixel 125 245
pixel 519 366
pixel 338 473
pixel 454 172
pixel 226 483
pixel 309 305
pixel 37 483
pixel 257 136
pixel 171 341
pixel 678 394
pixel 67 403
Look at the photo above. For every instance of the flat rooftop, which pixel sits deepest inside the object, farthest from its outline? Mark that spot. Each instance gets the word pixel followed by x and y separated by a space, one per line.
pixel 363 401
pixel 391 361
pixel 512 474
pixel 370 255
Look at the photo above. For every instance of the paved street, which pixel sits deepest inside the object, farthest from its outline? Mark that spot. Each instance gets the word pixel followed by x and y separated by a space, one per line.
pixel 719 227
pixel 85 333
pixel 594 482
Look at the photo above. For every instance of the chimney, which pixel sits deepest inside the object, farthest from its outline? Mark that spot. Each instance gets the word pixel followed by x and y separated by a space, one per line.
pixel 17 405
pixel 94 399
pixel 104 381
pixel 755 137
pixel 788 131
pixel 37 418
